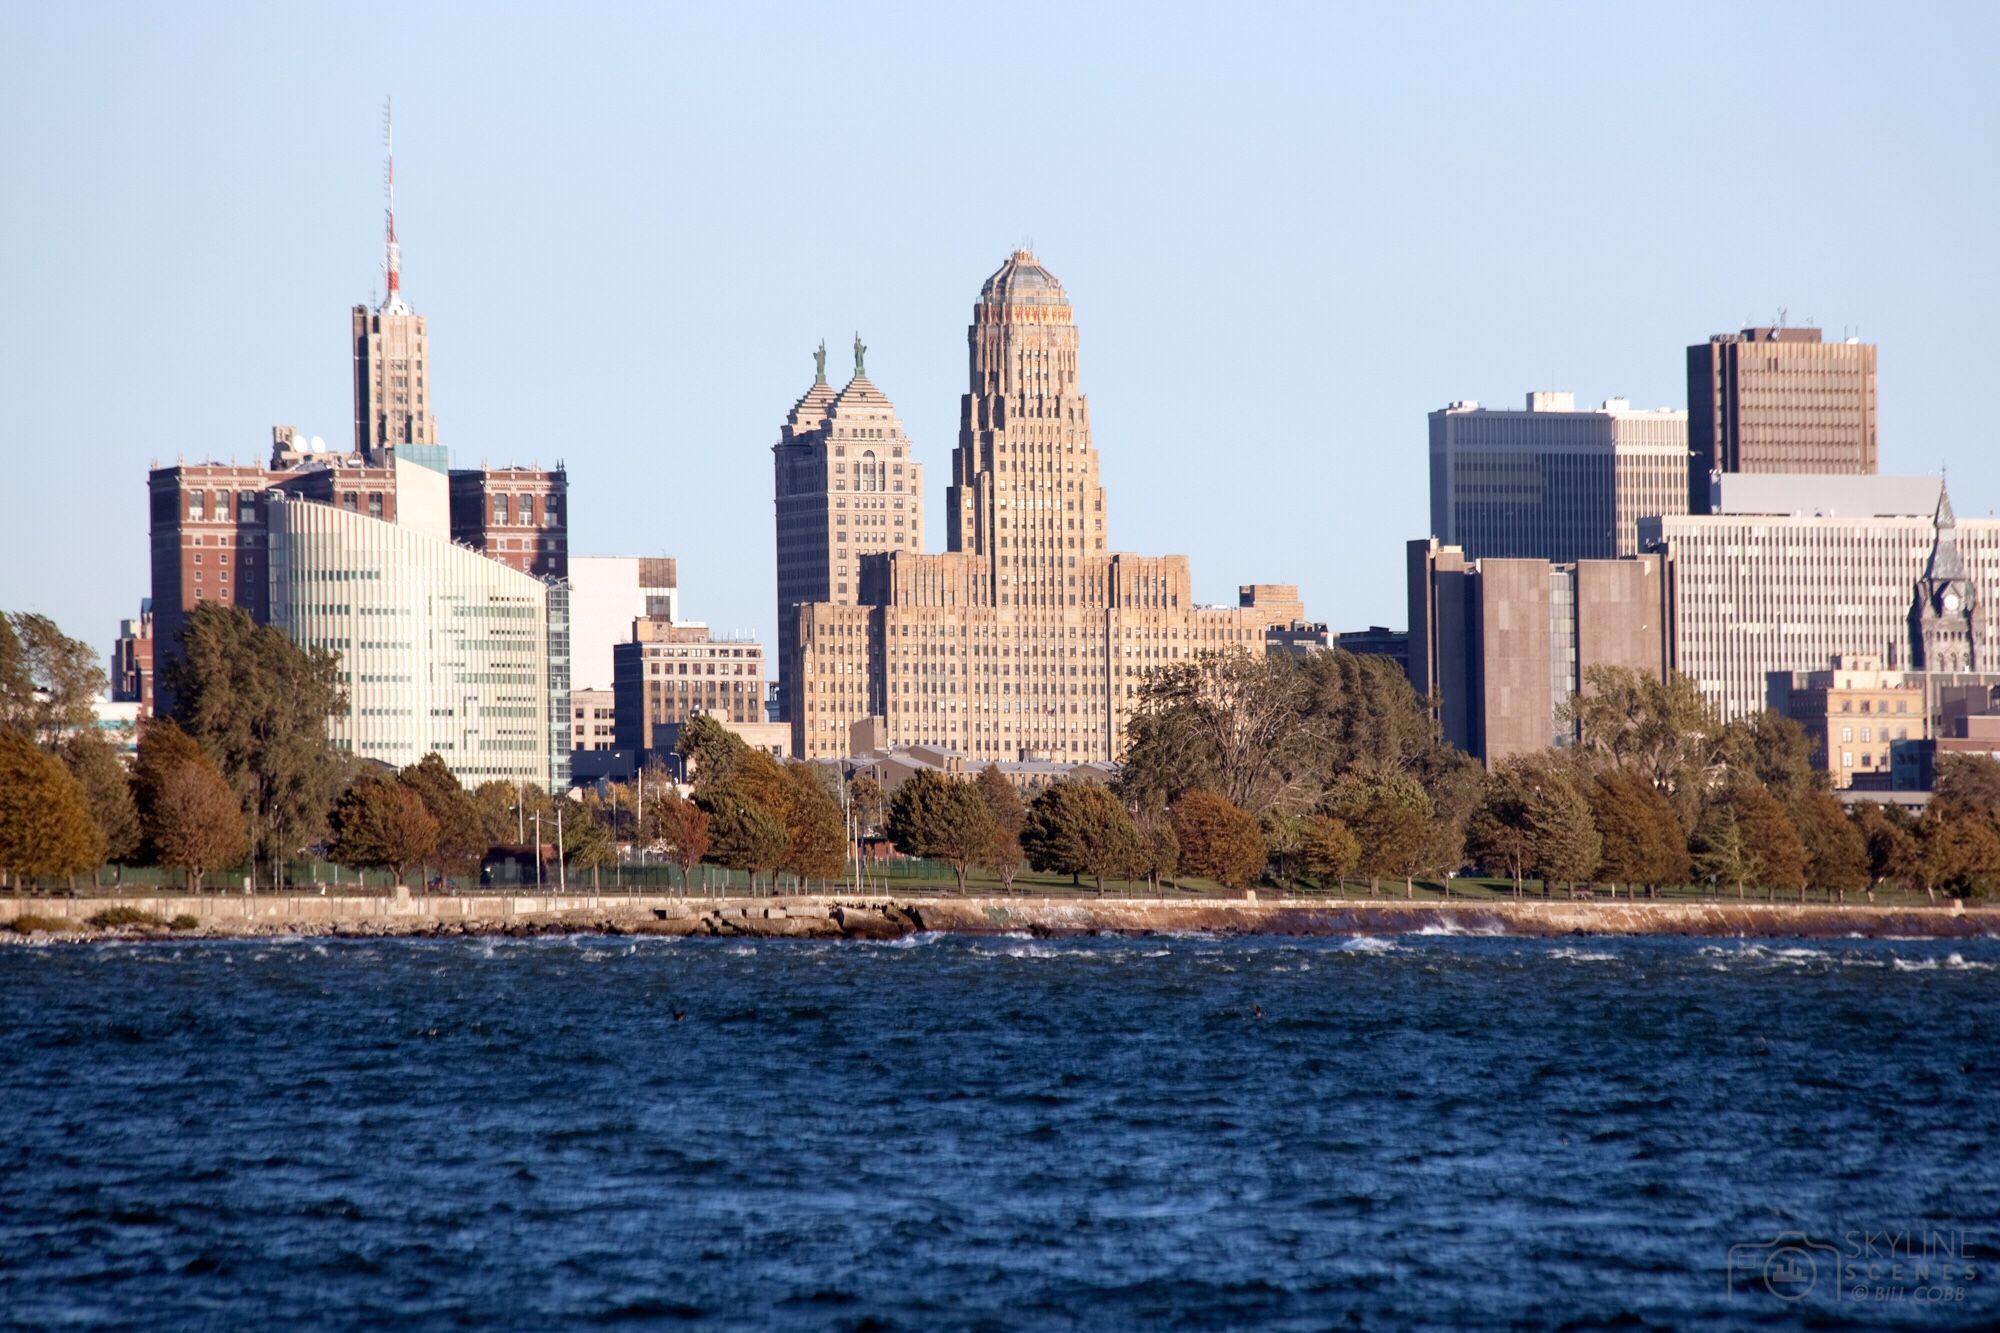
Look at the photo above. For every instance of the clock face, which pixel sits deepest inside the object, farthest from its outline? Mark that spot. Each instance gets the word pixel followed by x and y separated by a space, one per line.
pixel 1951 601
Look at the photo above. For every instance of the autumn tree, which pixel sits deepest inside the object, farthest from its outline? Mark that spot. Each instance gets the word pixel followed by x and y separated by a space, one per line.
pixel 1889 835
pixel 107 788
pixel 680 827
pixel 743 833
pixel 586 837
pixel 1392 818
pixel 49 682
pixel 381 822
pixel 1836 851
pixel 1638 831
pixel 198 824
pixel 163 750
pixel 45 823
pixel 1780 854
pixel 1218 839
pixel 1498 838
pixel 943 818
pixel 1747 837
pixel 461 841
pixel 870 806
pixel 259 704
pixel 1957 850
pixel 1003 854
pixel 1078 828
pixel 815 835
pixel 1328 849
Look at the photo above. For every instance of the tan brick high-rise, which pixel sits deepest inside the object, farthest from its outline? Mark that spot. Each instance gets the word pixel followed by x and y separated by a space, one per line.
pixel 392 369
pixel 847 485
pixel 1778 400
pixel 1026 637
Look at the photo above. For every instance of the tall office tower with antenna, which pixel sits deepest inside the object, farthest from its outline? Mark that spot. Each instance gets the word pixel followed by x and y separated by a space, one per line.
pixel 1777 399
pixel 392 355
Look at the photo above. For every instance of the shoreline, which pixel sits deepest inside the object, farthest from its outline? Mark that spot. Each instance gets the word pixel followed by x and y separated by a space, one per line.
pixel 883 917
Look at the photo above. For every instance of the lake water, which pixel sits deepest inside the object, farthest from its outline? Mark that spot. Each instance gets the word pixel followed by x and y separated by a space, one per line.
pixel 1000 1133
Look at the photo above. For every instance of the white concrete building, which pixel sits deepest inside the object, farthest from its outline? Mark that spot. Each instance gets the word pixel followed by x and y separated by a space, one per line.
pixel 608 593
pixel 1834 573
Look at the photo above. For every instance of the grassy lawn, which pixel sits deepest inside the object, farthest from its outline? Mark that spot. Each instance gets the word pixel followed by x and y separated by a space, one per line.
pixel 927 879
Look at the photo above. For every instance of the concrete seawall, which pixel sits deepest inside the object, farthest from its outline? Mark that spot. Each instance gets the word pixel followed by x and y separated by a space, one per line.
pixel 882 917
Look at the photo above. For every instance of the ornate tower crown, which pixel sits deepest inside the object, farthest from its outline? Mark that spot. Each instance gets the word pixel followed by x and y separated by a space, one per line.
pixel 1023 281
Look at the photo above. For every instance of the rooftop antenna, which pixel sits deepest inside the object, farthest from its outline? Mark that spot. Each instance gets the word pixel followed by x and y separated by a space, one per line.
pixel 1782 312
pixel 392 302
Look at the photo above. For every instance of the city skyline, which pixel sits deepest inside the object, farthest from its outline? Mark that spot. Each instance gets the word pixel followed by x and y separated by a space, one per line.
pixel 189 326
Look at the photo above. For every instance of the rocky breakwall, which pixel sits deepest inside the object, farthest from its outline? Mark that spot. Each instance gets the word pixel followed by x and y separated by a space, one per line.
pixel 877 918
pixel 1301 917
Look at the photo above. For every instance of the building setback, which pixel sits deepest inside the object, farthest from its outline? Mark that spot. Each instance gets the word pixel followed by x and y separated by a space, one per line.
pixel 1551 483
pixel 1026 637
pixel 1777 400
pixel 1503 645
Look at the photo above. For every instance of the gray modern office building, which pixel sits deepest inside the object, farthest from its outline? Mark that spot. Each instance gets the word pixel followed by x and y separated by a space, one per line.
pixel 1550 482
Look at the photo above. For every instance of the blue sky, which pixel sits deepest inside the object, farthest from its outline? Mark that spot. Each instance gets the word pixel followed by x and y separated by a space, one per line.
pixel 1289 232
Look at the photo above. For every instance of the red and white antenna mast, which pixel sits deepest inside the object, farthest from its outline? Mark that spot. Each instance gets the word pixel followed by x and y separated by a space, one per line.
pixel 393 260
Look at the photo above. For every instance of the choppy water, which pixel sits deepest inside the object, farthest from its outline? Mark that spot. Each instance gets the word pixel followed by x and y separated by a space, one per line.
pixel 954 1133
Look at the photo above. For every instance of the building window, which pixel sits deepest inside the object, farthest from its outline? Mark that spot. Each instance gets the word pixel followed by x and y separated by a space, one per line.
pixel 499 509
pixel 375 504
pixel 351 502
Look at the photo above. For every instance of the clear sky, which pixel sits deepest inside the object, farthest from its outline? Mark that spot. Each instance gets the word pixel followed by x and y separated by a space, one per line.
pixel 1289 232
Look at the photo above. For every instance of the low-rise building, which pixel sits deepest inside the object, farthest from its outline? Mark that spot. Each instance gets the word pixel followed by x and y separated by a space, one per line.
pixel 593 720
pixel 132 660
pixel 1854 711
pixel 668 673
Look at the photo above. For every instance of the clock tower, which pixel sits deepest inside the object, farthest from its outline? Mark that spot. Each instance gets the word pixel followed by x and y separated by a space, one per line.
pixel 1942 615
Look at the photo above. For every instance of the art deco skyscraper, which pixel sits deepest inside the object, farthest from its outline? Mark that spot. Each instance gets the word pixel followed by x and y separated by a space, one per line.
pixel 1027 637
pixel 1024 495
pixel 392 361
pixel 846 487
